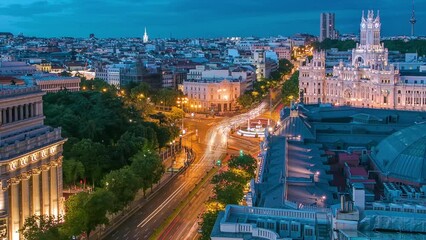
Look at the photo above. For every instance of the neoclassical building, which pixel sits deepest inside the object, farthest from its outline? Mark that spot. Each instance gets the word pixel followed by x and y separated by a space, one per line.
pixel 30 160
pixel 368 81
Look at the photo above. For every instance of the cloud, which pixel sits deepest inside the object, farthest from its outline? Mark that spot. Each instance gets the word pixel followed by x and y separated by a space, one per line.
pixel 189 18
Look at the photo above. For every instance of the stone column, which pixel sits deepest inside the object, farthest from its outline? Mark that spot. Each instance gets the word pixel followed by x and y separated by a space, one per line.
pixel 53 191
pixel 16 113
pixel 14 209
pixel 41 107
pixel 10 115
pixel 25 202
pixel 21 112
pixel 60 187
pixel 26 111
pixel 33 109
pixel 4 115
pixel 4 196
pixel 30 110
pixel 36 192
pixel 45 190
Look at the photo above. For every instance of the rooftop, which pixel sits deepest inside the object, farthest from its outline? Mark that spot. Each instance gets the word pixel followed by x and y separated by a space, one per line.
pixel 403 154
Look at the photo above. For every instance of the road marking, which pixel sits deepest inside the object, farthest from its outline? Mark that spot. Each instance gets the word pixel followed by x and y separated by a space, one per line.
pixel 159 208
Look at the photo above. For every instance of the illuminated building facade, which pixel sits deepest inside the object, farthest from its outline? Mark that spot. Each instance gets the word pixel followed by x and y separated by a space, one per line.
pixel 368 81
pixel 216 90
pixel 30 160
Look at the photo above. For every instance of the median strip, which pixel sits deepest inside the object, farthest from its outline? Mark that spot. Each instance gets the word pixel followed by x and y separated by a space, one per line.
pixel 158 232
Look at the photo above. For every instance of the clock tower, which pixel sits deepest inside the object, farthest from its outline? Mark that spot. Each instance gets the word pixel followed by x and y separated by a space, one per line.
pixel 370 52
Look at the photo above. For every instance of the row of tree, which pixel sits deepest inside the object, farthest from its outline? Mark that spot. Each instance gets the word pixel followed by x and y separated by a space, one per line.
pixel 402 46
pixel 261 87
pixel 229 188
pixel 85 211
pixel 290 89
pixel 105 128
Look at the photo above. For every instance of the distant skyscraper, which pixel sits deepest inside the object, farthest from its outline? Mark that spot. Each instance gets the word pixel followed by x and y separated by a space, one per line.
pixel 413 20
pixel 327 26
pixel 145 37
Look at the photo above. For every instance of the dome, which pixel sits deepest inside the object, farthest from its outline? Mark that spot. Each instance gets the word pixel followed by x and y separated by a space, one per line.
pixel 402 155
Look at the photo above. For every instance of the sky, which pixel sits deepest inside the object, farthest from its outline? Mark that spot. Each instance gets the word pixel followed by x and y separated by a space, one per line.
pixel 199 18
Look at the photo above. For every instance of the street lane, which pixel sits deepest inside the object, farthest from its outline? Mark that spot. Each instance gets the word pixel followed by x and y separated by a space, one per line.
pixel 142 224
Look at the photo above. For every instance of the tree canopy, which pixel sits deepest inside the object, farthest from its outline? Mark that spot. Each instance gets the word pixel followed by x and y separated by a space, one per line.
pixel 290 89
pixel 228 189
pixel 42 227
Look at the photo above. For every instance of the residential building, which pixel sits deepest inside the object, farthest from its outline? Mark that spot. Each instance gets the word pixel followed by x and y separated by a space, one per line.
pixel 31 160
pixel 283 52
pixel 327 27
pixel 264 66
pixel 111 73
pixel 52 84
pixel 16 69
pixel 44 66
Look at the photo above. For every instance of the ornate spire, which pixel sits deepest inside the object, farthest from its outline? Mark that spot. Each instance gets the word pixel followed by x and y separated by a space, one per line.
pixel 145 36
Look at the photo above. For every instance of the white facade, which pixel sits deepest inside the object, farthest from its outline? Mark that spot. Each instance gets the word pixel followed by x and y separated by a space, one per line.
pixel 111 73
pixel 369 81
pixel 216 90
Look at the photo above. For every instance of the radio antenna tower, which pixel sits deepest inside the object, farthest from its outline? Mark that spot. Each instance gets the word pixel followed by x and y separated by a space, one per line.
pixel 413 21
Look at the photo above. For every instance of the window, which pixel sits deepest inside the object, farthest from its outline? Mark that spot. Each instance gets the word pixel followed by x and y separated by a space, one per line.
pixel 309 232
pixel 294 228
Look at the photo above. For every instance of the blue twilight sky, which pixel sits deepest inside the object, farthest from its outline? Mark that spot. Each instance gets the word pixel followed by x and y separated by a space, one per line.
pixel 199 18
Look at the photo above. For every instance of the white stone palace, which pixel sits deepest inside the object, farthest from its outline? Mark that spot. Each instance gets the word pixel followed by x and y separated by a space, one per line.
pixel 30 160
pixel 369 81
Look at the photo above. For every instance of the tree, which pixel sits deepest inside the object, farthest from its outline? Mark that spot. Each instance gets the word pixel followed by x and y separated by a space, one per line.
pixel 122 183
pixel 231 193
pixel 245 100
pixel 73 170
pixel 332 43
pixel 94 157
pixel 247 163
pixel 97 85
pixel 176 114
pixel 284 67
pixel 228 177
pixel 148 168
pixel 85 211
pixel 209 219
pixel 65 74
pixel 42 227
pixel 167 96
pixel 290 89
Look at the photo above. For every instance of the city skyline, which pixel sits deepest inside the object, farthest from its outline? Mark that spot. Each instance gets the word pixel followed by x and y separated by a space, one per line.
pixel 189 18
